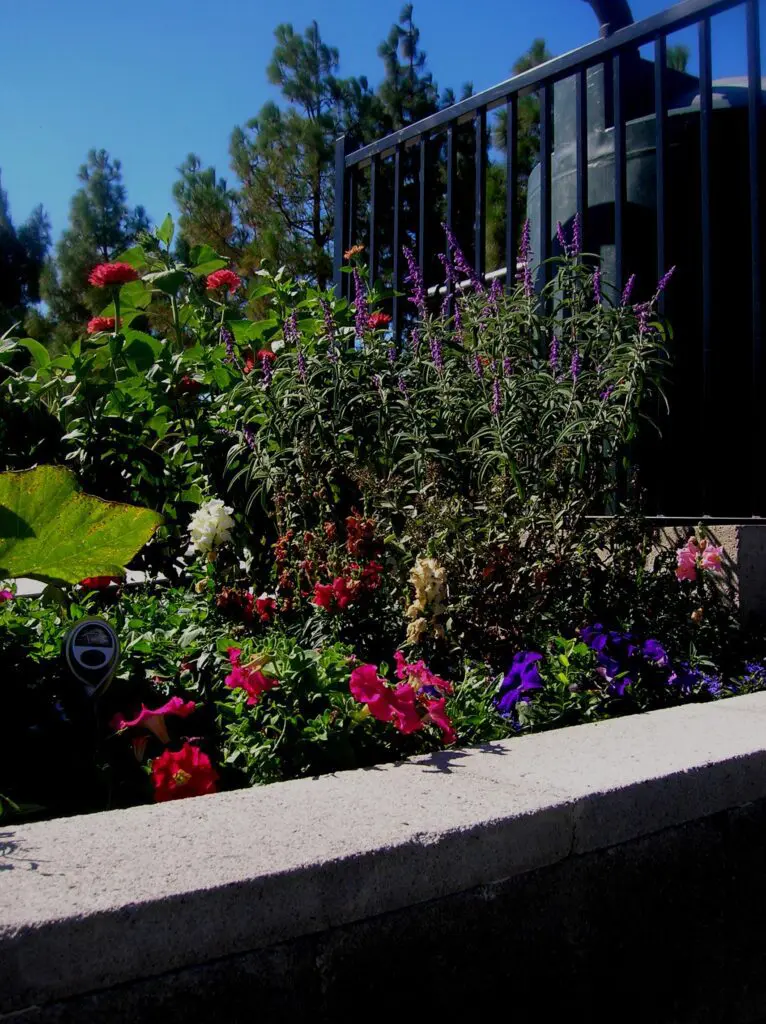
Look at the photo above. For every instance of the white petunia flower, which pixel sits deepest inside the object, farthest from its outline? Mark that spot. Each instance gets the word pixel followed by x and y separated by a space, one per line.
pixel 211 526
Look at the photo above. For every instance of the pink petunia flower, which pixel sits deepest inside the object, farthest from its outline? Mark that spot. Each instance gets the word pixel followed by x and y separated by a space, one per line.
pixel 438 715
pixel 6 595
pixel 248 678
pixel 154 719
pixel 404 713
pixel 368 688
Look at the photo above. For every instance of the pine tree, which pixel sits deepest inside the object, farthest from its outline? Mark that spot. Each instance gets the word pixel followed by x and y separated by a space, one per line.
pixel 101 225
pixel 208 209
pixel 22 255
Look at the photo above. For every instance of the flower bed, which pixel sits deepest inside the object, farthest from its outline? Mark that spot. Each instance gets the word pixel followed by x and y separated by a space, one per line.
pixel 370 548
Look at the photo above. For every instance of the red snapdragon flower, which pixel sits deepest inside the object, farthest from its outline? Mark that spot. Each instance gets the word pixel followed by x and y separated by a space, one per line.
pixel 265 608
pixel 154 719
pixel 99 582
pixel 335 596
pixel 223 279
pixel 112 274
pixel 376 320
pixel 100 323
pixel 360 533
pixel 248 678
pixel 188 385
pixel 249 364
pixel 180 773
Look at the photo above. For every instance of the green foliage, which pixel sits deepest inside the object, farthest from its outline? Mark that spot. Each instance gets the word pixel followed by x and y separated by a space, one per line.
pixel 51 531
pixel 22 255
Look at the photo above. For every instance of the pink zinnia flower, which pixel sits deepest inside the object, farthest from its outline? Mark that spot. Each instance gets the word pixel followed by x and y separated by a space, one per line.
pixel 154 719
pixel 6 595
pixel 247 678
pixel 223 279
pixel 180 773
pixel 100 323
pixel 106 274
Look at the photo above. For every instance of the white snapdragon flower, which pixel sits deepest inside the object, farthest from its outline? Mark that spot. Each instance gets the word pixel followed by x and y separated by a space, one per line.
pixel 211 526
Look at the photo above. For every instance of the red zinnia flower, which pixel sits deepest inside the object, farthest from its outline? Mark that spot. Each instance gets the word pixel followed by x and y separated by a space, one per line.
pixel 106 274
pixel 188 385
pixel 223 279
pixel 99 582
pixel 378 320
pixel 180 773
pixel 266 353
pixel 100 323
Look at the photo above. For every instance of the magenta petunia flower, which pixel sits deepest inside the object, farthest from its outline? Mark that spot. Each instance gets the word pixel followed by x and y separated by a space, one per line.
pixel 153 719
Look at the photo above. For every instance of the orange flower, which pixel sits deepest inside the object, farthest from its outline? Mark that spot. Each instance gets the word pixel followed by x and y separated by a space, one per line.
pixel 355 250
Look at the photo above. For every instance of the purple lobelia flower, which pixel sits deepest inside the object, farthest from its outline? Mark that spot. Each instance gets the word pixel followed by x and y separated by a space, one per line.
pixel 576 365
pixel 597 297
pixel 362 314
pixel 414 277
pixel 497 397
pixel 521 679
pixel 628 290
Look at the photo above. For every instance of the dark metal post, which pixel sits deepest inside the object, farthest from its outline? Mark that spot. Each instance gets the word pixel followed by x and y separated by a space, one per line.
pixel 422 206
pixel 340 211
pixel 754 112
pixel 545 182
pixel 397 242
pixel 374 164
pixel 479 202
pixel 661 149
pixel 511 228
pixel 619 172
pixel 706 239
pixel 581 135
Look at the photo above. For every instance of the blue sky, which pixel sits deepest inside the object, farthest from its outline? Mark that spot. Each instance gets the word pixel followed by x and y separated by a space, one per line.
pixel 153 80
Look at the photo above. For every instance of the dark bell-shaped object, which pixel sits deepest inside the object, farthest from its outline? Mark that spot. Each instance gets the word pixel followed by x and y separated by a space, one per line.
pixel 612 15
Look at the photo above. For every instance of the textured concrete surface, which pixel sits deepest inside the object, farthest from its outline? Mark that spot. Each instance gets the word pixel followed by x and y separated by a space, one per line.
pixel 119 898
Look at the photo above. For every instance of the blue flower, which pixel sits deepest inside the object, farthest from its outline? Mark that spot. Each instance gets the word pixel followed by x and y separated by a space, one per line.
pixel 653 651
pixel 685 679
pixel 521 678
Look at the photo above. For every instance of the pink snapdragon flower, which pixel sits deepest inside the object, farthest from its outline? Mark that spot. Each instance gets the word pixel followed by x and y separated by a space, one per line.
pixel 696 555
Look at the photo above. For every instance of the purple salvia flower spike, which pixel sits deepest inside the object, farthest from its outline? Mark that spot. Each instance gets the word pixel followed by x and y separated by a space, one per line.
pixel 477 366
pixel 576 365
pixel 628 291
pixel 663 282
pixel 414 277
pixel 560 238
pixel 576 235
pixel 507 368
pixel 496 396
pixel 437 355
pixel 301 364
pixel 597 297
pixel 362 314
pixel 553 355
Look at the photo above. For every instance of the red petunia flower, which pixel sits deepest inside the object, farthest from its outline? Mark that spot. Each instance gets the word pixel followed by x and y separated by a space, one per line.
pixel 223 279
pixel 378 320
pixel 180 773
pixel 99 582
pixel 108 274
pixel 154 720
pixel 100 323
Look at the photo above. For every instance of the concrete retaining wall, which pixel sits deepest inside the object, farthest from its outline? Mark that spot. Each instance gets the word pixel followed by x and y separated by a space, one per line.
pixel 611 871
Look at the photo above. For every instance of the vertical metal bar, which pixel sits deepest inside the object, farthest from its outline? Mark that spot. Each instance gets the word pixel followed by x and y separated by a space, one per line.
pixel 374 166
pixel 397 255
pixel 422 207
pixel 619 171
pixel 661 151
pixel 754 104
pixel 511 193
pixel 545 94
pixel 581 136
pixel 353 189
pixel 451 176
pixel 706 240
pixel 480 188
pixel 340 210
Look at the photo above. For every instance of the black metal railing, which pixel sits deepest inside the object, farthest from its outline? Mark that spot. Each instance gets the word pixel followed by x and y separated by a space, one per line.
pixel 422 157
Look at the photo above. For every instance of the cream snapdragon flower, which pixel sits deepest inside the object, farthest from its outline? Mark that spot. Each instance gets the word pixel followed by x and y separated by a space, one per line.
pixel 211 526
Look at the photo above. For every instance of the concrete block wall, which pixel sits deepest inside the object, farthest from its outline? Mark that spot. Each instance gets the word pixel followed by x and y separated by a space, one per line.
pixel 610 871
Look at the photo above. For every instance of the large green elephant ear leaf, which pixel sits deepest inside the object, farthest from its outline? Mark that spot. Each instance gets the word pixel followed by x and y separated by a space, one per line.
pixel 51 531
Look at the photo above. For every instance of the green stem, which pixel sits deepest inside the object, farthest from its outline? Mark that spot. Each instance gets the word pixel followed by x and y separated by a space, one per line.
pixel 176 322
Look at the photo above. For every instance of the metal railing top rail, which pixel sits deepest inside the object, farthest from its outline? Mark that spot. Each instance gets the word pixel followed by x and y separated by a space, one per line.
pixel 680 16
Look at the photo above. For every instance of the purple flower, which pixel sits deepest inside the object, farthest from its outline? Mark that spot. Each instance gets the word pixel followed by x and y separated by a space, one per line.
pixel 477 366
pixel 628 291
pixel 461 263
pixel 576 365
pixel 597 297
pixel 403 388
pixel 291 332
pixel 611 672
pixel 560 238
pixel 268 373
pixel 495 293
pixel 654 652
pixel 329 323
pixel 249 435
pixel 457 322
pixel 415 278
pixel 391 354
pixel 301 364
pixel 606 394
pixel 437 356
pixel 713 685
pixel 449 282
pixel 415 340
pixel 663 282
pixel 684 679
pixel 525 257
pixel 496 397
pixel 377 380
pixel 576 235
pixel 360 305
pixel 519 681
pixel 507 368
pixel 553 355
pixel 228 340
pixel 643 310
